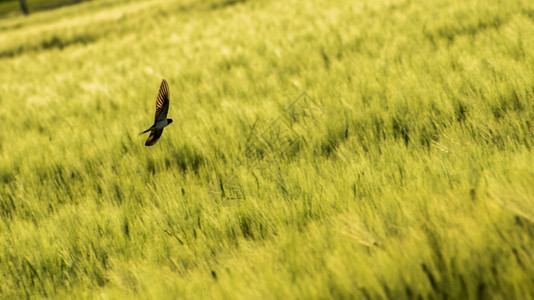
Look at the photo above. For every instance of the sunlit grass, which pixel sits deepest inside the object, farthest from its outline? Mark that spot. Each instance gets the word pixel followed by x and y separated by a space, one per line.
pixel 341 149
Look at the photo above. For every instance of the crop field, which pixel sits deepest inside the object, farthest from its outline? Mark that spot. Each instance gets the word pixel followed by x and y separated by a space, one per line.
pixel 320 149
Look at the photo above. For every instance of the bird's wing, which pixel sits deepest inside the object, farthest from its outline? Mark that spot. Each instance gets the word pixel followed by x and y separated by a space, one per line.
pixel 162 102
pixel 153 137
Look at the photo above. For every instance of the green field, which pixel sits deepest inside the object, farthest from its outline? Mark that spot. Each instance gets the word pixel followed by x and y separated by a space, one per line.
pixel 320 149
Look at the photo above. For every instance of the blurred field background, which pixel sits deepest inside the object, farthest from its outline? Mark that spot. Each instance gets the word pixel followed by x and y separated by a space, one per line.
pixel 320 149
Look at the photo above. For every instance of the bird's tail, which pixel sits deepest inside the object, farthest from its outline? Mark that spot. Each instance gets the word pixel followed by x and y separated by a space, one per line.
pixel 143 132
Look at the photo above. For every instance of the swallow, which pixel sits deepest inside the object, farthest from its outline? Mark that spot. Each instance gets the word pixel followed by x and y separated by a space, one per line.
pixel 160 119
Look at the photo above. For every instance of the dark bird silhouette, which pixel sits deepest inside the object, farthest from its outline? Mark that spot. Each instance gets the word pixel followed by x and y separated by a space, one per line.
pixel 160 119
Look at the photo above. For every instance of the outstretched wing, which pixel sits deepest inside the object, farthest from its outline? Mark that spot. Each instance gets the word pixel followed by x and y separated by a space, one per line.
pixel 153 137
pixel 162 102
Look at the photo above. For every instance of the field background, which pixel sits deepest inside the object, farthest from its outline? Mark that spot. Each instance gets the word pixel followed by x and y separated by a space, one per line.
pixel 320 149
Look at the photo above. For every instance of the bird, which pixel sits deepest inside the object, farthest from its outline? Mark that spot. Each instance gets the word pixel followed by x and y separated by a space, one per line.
pixel 160 119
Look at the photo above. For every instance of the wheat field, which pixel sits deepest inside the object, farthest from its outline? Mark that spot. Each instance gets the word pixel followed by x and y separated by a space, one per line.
pixel 319 150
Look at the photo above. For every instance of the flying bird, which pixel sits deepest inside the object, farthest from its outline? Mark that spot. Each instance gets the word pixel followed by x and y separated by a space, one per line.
pixel 160 120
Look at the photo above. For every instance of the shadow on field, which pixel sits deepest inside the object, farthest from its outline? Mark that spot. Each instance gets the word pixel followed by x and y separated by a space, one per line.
pixel 53 42
pixel 185 158
pixel 211 5
pixel 12 7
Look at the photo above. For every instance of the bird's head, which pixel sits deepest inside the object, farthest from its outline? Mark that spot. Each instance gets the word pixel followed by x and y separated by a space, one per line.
pixel 169 121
